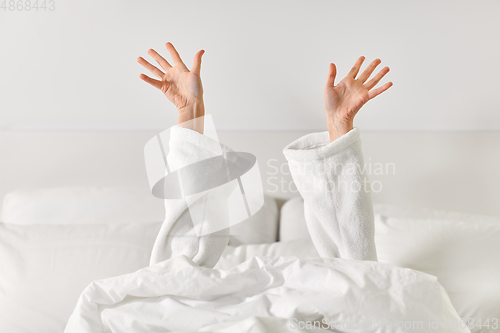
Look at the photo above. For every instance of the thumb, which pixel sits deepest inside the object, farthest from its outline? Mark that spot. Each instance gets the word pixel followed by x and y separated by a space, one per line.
pixel 332 72
pixel 197 62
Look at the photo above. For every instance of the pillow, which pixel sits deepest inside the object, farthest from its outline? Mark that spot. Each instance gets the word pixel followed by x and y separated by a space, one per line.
pixel 462 250
pixel 82 205
pixel 293 225
pixel 292 221
pixel 44 268
pixel 262 227
pixel 464 256
pixel 95 205
pixel 428 213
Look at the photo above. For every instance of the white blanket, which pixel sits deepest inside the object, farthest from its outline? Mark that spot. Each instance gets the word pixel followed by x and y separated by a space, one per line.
pixel 266 295
pixel 181 291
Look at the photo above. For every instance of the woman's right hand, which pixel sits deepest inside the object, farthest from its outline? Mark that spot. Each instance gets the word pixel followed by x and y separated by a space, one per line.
pixel 182 86
pixel 343 100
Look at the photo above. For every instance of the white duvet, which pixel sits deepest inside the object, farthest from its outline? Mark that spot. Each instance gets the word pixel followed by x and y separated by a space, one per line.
pixel 266 295
pixel 181 292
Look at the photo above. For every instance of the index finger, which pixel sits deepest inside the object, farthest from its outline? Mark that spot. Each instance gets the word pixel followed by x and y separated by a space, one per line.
pixel 378 91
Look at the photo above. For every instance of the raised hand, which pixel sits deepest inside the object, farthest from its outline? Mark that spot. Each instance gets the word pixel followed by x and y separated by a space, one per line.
pixel 343 101
pixel 181 86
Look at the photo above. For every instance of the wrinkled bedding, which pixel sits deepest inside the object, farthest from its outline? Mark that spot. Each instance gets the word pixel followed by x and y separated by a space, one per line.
pixel 181 291
pixel 266 294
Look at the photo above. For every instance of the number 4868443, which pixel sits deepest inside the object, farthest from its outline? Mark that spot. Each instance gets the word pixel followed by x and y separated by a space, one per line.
pixel 27 5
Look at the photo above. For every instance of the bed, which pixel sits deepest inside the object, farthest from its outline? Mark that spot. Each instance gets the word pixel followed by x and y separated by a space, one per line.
pixel 76 209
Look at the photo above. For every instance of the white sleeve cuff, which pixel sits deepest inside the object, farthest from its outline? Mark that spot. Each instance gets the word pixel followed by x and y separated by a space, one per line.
pixel 318 146
pixel 189 146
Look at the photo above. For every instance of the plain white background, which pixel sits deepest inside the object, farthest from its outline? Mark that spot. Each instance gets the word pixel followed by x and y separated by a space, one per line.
pixel 264 67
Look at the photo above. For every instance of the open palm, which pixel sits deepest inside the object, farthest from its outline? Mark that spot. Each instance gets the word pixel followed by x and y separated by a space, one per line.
pixel 343 101
pixel 180 85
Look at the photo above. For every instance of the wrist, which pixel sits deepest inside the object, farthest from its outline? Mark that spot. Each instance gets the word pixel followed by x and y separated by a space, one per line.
pixel 188 114
pixel 337 128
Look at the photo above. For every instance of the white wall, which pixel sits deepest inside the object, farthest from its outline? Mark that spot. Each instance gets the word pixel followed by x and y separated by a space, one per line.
pixel 264 67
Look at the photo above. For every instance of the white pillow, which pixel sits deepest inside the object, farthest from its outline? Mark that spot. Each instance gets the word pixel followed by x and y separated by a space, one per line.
pixel 292 221
pixel 81 205
pixel 126 204
pixel 44 268
pixel 462 250
pixel 464 255
pixel 428 213
pixel 262 227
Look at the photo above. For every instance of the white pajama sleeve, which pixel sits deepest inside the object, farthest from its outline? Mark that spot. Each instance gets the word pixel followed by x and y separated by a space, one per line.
pixel 337 201
pixel 177 235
